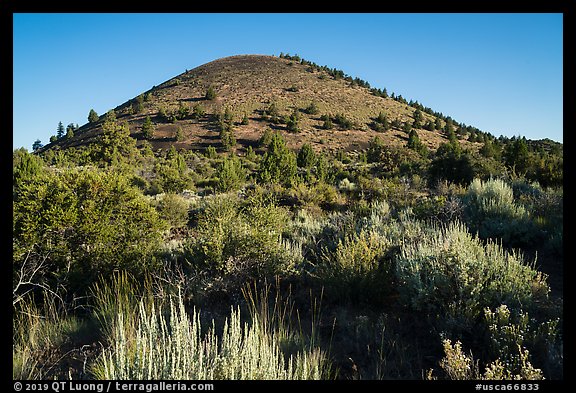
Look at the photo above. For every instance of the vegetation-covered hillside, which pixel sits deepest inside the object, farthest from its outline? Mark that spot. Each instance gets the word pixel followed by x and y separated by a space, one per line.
pixel 268 218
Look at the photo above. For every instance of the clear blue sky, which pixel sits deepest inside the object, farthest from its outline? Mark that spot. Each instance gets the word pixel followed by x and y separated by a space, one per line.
pixel 502 73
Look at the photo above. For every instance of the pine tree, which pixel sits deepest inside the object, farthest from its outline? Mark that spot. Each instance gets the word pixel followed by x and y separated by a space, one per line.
pixel 417 119
pixel 227 138
pixel 92 116
pixel 37 145
pixel 292 123
pixel 179 135
pixel 138 104
pixel 183 110
pixel 231 174
pixel 148 128
pixel 306 156
pixel 413 140
pixel 198 111
pixel 278 164
pixel 437 124
pixel 516 155
pixel 60 130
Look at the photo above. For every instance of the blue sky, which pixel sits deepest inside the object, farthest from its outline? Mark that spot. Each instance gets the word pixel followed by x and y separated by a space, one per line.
pixel 502 73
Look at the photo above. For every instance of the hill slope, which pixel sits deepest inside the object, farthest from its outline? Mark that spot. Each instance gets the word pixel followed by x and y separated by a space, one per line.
pixel 247 85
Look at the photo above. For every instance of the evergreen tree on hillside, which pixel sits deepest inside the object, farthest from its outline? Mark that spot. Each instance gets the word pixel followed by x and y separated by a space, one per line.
pixel 210 93
pixel 231 174
pixel 60 130
pixel 451 164
pixel 138 104
pixel 293 122
pixel 71 128
pixel 227 138
pixel 92 116
pixel 148 128
pixel 37 145
pixel 179 136
pixel 278 164
pixel 413 140
pixel 115 143
pixel 437 124
pixel 516 155
pixel 488 149
pixel 415 144
pixel 417 119
pixel 306 156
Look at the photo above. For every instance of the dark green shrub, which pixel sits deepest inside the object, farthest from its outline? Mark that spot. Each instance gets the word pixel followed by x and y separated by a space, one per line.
pixel 312 109
pixel 86 223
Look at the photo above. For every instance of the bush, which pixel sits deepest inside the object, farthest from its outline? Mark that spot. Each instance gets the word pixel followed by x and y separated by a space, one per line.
pixel 292 123
pixel 514 335
pixel 490 209
pixel 357 270
pixel 459 366
pixel 266 138
pixel 86 222
pixel 211 152
pixel 170 178
pixel 174 210
pixel 449 271
pixel 312 109
pixel 245 242
pixel 306 156
pixel 342 121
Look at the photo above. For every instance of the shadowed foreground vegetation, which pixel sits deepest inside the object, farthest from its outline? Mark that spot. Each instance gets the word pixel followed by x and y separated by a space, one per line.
pixel 141 261
pixel 280 266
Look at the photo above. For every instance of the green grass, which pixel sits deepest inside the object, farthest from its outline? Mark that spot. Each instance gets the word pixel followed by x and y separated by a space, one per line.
pixel 39 335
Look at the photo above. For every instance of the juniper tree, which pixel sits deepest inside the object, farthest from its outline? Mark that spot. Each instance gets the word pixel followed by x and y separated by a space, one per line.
pixel 183 110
